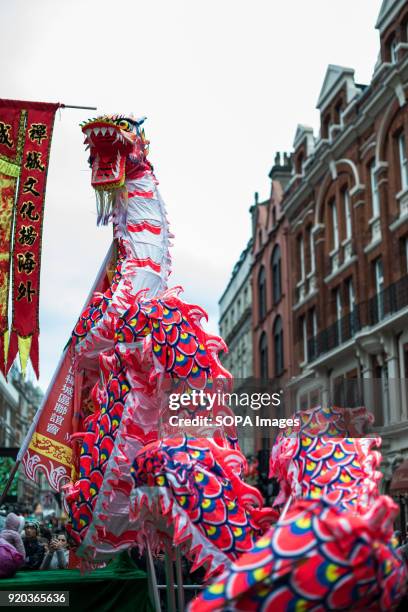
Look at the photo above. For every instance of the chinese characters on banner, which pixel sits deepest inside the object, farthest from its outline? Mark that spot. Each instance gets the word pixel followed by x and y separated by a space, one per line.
pixel 48 444
pixel 25 140
pixel 50 448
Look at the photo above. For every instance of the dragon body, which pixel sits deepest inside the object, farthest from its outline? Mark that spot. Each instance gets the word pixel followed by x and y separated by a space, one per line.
pixel 332 547
pixel 131 343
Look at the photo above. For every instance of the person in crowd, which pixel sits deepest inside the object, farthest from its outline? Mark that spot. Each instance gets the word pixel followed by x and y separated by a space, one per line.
pixel 57 555
pixel 10 559
pixel 34 550
pixel 45 534
pixel 13 527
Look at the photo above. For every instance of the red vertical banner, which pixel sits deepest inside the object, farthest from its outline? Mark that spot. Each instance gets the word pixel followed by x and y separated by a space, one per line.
pixel 12 128
pixel 29 211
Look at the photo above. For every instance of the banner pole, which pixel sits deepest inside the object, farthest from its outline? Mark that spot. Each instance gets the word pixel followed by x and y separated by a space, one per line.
pixel 80 107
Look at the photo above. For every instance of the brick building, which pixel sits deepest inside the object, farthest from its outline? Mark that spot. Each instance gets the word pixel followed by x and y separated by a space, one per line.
pixel 271 314
pixel 347 209
pixel 330 249
pixel 340 226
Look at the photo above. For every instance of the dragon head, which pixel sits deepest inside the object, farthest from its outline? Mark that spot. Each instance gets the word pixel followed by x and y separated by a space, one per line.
pixel 118 150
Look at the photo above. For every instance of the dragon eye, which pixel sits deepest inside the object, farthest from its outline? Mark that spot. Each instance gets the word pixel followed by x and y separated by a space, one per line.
pixel 124 125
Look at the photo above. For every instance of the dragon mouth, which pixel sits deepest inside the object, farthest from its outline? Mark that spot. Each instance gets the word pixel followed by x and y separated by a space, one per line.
pixel 109 148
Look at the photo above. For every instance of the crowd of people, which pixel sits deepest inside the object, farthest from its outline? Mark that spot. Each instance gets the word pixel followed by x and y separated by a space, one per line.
pixel 29 544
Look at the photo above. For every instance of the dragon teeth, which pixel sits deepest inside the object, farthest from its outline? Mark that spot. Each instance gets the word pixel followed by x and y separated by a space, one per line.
pixel 111 130
pixel 103 130
pixel 96 130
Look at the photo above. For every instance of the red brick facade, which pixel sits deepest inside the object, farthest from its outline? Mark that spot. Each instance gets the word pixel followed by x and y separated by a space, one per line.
pixel 339 216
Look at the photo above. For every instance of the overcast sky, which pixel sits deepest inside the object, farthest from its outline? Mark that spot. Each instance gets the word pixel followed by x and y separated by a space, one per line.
pixel 223 84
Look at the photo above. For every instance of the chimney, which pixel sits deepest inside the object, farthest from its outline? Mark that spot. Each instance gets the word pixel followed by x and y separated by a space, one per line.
pixel 282 169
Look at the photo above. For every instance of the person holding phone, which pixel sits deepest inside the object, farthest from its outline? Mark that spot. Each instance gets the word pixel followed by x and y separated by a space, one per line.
pixel 57 555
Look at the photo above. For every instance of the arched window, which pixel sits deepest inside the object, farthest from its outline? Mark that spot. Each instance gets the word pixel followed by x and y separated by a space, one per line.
pixel 263 356
pixel 312 265
pixel 300 163
pixel 276 275
pixel 262 293
pixel 278 345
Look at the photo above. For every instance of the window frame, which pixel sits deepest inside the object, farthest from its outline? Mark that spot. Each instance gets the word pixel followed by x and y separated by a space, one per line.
pixel 335 225
pixel 375 195
pixel 403 160
pixel 276 261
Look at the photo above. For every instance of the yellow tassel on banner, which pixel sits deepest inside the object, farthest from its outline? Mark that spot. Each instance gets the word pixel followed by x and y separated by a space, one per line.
pixel 24 347
pixel 6 344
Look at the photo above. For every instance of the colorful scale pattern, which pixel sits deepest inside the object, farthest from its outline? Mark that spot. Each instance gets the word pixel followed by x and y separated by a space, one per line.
pixel 179 349
pixel 317 558
pixel 201 481
pixel 322 459
pixel 97 445
pixel 177 342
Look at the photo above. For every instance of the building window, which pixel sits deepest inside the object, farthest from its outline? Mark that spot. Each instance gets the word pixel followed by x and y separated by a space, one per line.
pixel 378 275
pixel 276 275
pixel 406 254
pixel 375 197
pixel 335 225
pixel 262 293
pixel 326 127
pixel 311 250
pixel 299 164
pixel 263 356
pixel 379 289
pixel 351 306
pixel 350 293
pixel 301 255
pixel 402 150
pixel 347 213
pixel 303 337
pixel 273 216
pixel 339 310
pixel 338 110
pixel 393 51
pixel 312 345
pixel 278 345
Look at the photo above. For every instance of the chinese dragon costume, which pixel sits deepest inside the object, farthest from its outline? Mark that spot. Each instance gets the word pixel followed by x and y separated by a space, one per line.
pixel 132 481
pixel 332 549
